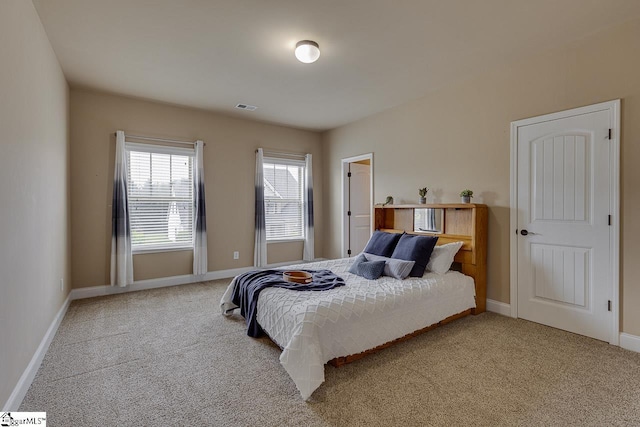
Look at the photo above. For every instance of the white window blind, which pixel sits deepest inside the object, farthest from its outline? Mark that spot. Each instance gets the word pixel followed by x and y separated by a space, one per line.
pixel 283 198
pixel 160 197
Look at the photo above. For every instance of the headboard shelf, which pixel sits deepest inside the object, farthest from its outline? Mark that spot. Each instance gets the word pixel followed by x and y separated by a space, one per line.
pixel 431 205
pixel 465 222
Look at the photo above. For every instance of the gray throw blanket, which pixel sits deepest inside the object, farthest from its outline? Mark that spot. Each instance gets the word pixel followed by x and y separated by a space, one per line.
pixel 249 285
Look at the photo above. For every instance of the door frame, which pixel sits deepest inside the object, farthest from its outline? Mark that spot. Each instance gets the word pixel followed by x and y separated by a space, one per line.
pixel 613 108
pixel 345 196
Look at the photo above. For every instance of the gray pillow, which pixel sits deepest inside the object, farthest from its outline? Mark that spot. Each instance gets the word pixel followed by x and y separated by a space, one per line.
pixel 371 270
pixel 397 268
pixel 354 267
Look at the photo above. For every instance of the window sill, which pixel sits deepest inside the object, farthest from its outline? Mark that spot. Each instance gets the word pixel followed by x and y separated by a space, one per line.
pixel 297 239
pixel 158 250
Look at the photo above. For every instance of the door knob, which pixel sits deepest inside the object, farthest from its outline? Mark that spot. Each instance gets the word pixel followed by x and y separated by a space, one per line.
pixel 526 233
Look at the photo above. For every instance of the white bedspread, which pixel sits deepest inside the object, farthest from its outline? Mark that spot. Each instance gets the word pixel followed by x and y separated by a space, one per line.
pixel 315 327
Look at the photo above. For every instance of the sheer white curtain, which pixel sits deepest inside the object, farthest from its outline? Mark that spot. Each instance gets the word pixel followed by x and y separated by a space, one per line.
pixel 308 252
pixel 121 257
pixel 260 248
pixel 199 213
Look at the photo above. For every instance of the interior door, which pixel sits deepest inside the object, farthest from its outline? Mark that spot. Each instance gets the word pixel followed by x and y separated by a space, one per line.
pixel 359 206
pixel 563 187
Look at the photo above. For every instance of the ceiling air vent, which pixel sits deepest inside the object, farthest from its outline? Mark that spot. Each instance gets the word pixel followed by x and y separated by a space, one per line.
pixel 246 107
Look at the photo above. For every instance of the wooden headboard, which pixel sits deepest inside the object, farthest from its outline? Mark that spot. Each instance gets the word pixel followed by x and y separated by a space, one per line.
pixel 466 222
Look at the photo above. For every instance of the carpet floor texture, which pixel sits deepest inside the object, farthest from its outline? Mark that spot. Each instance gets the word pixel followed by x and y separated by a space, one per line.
pixel 167 357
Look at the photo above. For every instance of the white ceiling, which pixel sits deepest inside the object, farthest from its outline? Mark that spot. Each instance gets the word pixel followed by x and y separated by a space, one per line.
pixel 376 54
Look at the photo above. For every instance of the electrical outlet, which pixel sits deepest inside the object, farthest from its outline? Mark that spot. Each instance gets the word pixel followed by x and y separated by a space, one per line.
pixel 61 285
pixel 236 255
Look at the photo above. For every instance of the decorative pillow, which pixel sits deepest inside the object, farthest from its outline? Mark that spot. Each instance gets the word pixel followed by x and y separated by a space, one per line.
pixel 371 270
pixel 415 248
pixel 442 257
pixel 354 267
pixel 382 243
pixel 397 268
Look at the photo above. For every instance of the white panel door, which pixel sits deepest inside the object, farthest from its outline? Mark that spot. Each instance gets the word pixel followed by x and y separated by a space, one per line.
pixel 564 266
pixel 360 206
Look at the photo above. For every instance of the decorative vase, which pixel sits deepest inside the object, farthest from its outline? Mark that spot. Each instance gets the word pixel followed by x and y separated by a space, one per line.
pixel 422 200
pixel 466 199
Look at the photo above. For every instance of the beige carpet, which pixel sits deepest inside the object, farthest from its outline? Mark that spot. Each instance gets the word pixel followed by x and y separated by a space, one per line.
pixel 167 357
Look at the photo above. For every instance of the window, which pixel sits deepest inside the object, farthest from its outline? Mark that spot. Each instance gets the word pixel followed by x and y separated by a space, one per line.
pixel 283 198
pixel 160 189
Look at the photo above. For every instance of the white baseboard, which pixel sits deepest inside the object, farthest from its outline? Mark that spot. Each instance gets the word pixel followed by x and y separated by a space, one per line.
pixel 139 285
pixel 498 307
pixel 282 264
pixel 20 390
pixel 630 342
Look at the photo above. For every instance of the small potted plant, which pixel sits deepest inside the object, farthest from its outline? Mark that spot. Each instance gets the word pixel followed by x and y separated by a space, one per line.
pixel 422 192
pixel 466 196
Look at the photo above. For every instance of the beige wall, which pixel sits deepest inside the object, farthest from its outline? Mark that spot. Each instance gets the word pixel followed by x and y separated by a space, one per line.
pixel 459 138
pixel 229 167
pixel 34 161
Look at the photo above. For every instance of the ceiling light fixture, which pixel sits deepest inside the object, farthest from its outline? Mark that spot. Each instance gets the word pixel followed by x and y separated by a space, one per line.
pixel 307 51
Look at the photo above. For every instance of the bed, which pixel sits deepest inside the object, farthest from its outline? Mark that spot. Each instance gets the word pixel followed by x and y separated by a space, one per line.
pixel 343 324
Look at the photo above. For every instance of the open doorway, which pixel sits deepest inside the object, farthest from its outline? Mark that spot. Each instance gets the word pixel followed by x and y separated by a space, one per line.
pixel 357 203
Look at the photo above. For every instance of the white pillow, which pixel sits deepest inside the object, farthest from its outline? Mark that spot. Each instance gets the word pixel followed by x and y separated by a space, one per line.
pixel 442 257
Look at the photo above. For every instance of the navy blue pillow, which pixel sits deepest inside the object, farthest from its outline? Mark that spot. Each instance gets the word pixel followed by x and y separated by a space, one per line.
pixel 382 243
pixel 415 248
pixel 371 270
